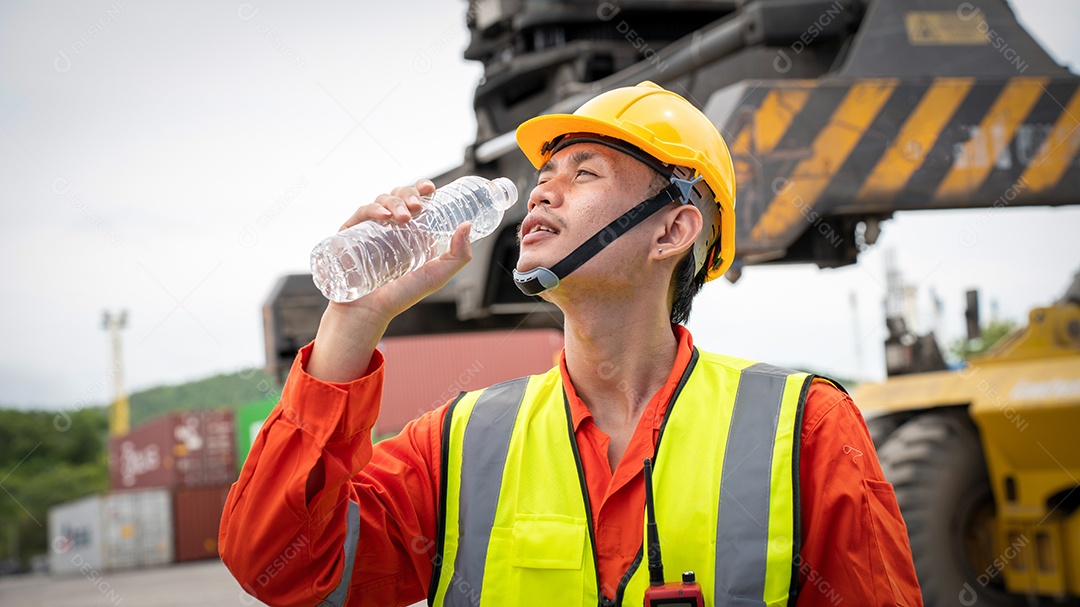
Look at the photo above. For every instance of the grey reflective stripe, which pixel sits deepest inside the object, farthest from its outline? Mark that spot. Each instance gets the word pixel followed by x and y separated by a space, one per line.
pixel 742 526
pixel 484 447
pixel 352 535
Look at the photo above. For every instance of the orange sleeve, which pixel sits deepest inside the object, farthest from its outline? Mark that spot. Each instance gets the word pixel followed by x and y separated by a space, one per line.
pixel 365 538
pixel 855 547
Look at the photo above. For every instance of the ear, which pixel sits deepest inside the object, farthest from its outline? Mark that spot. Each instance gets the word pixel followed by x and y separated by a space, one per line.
pixel 678 231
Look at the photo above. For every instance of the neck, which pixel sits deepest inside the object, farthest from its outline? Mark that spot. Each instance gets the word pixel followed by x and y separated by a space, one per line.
pixel 619 355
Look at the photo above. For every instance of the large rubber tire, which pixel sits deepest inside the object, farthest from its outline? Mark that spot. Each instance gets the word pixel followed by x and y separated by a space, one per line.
pixel 935 462
pixel 881 427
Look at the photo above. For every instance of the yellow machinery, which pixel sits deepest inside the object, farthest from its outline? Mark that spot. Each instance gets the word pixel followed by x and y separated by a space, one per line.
pixel 986 465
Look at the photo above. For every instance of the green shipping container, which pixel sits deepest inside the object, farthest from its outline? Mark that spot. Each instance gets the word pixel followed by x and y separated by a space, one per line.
pixel 249 419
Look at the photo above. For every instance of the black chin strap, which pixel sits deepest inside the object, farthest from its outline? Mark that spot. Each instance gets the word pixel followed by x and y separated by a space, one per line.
pixel 541 279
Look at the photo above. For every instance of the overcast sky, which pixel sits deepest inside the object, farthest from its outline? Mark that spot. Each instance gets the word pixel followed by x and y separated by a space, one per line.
pixel 174 159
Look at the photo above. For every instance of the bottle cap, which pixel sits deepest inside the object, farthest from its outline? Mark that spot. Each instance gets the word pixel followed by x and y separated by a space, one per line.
pixel 507 192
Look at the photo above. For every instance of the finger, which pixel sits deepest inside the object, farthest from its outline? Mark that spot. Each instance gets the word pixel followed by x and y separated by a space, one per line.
pixel 422 188
pixel 369 212
pixel 426 187
pixel 409 202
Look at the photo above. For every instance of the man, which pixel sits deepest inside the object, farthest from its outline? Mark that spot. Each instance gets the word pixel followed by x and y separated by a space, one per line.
pixel 531 492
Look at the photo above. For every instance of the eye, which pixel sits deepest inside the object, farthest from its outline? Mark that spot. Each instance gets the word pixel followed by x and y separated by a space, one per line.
pixel 581 172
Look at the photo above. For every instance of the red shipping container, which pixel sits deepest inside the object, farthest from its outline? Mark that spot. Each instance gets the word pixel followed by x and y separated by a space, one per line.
pixel 196 517
pixel 424 372
pixel 138 459
pixel 182 449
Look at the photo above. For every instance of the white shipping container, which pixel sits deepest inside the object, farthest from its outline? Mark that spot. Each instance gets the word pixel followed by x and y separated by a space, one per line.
pixel 138 529
pixel 75 536
pixel 113 531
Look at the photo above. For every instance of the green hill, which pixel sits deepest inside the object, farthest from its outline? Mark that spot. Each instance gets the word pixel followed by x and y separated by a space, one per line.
pixel 52 457
pixel 225 390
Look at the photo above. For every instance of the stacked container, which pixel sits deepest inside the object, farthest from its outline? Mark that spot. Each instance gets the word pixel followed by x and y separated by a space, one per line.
pixel 170 477
pixel 114 531
pixel 184 449
pixel 196 517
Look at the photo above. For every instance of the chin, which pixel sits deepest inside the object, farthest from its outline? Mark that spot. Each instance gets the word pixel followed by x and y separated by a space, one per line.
pixel 528 262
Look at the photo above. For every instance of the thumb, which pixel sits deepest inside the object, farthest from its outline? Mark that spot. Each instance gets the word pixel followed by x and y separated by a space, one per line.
pixel 460 246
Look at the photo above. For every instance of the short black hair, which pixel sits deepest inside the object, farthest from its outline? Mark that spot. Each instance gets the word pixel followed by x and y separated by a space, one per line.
pixel 687 285
pixel 684 281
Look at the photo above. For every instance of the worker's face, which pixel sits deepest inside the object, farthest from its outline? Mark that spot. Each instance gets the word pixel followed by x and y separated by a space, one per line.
pixel 581 189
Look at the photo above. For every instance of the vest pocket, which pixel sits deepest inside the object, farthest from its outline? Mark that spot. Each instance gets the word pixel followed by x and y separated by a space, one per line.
pixel 541 555
pixel 548 541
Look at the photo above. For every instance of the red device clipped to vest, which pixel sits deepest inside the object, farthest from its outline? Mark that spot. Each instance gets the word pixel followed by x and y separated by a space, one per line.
pixel 686 593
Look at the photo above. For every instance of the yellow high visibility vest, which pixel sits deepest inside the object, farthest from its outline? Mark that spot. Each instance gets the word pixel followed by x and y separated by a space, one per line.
pixel 515 523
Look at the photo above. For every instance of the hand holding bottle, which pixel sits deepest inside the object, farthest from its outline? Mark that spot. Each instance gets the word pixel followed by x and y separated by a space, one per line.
pixel 358 260
pixel 349 332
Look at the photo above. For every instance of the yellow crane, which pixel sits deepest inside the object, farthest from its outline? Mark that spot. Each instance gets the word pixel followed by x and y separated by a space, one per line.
pixel 119 414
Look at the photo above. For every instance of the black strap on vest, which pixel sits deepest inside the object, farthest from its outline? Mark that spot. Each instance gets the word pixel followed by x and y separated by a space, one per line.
pixel 541 279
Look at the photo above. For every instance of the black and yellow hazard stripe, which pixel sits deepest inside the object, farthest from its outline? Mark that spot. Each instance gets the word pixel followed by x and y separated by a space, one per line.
pixel 906 152
pixel 876 146
pixel 975 158
pixel 1058 151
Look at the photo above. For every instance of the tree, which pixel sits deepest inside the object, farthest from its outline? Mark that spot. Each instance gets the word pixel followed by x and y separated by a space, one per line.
pixel 992 332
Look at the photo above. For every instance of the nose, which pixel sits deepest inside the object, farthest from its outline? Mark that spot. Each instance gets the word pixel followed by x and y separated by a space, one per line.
pixel 549 193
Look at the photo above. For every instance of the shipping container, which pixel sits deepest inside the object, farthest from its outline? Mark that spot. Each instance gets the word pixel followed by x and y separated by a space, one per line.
pixel 120 530
pixel 424 372
pixel 182 449
pixel 138 529
pixel 75 536
pixel 196 518
pixel 249 420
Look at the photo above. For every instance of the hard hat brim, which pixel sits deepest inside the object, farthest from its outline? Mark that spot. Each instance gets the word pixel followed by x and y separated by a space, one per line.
pixel 533 134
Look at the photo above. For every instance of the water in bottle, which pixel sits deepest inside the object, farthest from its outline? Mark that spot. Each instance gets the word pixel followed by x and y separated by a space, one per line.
pixel 360 259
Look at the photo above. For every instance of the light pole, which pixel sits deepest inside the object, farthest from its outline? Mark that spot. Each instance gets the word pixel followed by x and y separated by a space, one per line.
pixel 119 415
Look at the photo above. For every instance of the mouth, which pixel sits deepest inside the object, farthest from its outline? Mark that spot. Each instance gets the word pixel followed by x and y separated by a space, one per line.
pixel 534 229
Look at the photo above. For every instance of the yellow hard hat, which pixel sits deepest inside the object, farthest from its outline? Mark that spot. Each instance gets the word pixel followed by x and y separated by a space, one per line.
pixel 662 124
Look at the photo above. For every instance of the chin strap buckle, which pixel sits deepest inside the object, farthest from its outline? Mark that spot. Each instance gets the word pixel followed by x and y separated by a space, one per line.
pixel 535 281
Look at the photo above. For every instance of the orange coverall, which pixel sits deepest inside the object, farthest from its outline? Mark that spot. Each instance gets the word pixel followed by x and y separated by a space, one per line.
pixel 286 551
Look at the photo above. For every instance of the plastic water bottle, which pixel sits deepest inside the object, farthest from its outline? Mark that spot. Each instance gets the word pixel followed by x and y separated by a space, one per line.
pixel 360 259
